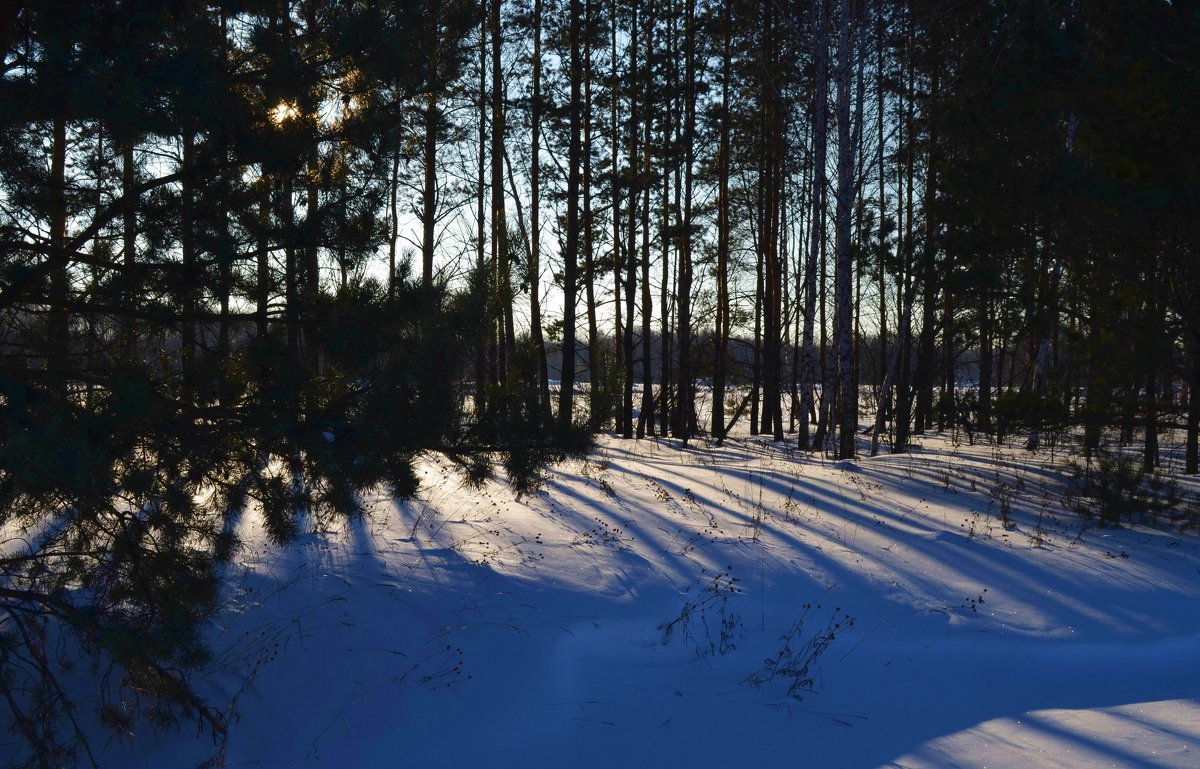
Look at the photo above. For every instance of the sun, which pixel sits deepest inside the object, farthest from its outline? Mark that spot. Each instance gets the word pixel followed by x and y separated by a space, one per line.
pixel 283 112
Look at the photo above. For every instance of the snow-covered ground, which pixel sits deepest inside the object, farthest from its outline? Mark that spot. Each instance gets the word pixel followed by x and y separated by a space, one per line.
pixel 670 605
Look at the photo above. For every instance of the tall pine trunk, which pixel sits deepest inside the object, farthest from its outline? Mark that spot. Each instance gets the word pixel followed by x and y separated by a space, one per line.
pixel 620 370
pixel 571 254
pixel 187 249
pixel 684 423
pixel 631 220
pixel 927 350
pixel 808 369
pixel 985 362
pixel 1191 457
pixel 721 332
pixel 394 213
pixel 58 342
pixel 902 417
pixel 429 191
pixel 482 347
pixel 310 280
pixel 501 265
pixel 262 283
pixel 843 299
pixel 669 137
pixel 646 418
pixel 597 360
pixel 890 375
pixel 535 220
pixel 129 240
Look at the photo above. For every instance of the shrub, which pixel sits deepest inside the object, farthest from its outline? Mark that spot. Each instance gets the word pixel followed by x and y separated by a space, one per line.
pixel 1119 489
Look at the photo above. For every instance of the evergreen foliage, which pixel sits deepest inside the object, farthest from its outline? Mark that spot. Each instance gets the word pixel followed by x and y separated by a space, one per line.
pixel 189 193
pixel 981 215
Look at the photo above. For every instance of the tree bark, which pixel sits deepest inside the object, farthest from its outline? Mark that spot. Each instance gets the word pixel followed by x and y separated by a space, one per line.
pixel 927 352
pixel 129 239
pixel 482 348
pixel 1191 456
pixel 310 279
pixel 429 191
pixel 571 254
pixel 58 332
pixel 187 249
pixel 685 403
pixel 500 252
pixel 597 360
pixel 984 416
pixel 646 418
pixel 535 222
pixel 1150 446
pixel 620 367
pixel 631 228
pixel 843 301
pixel 808 374
pixel 262 287
pixel 394 211
pixel 885 393
pixel 721 332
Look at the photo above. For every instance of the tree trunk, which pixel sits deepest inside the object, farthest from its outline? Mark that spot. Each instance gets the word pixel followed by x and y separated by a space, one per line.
pixel 927 349
pixel 620 366
pixel 668 138
pixel 1048 320
pixel 684 424
pixel 756 362
pixel 885 393
pixel 597 360
pixel 287 224
pixel 187 249
pixel 506 345
pixel 902 419
pixel 394 211
pixel 1191 457
pixel 631 242
pixel 571 255
pixel 225 250
pixel 58 331
pixel 129 241
pixel 808 374
pixel 828 372
pixel 535 220
pixel 881 270
pixel 646 419
pixel 721 332
pixel 949 383
pixel 481 271
pixel 843 302
pixel 1150 447
pixel 310 279
pixel 772 181
pixel 429 191
pixel 984 416
pixel 262 287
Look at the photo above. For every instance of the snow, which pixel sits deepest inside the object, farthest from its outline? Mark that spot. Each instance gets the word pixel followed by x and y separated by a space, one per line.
pixel 669 604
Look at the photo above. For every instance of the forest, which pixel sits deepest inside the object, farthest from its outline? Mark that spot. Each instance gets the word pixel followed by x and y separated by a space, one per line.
pixel 268 253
